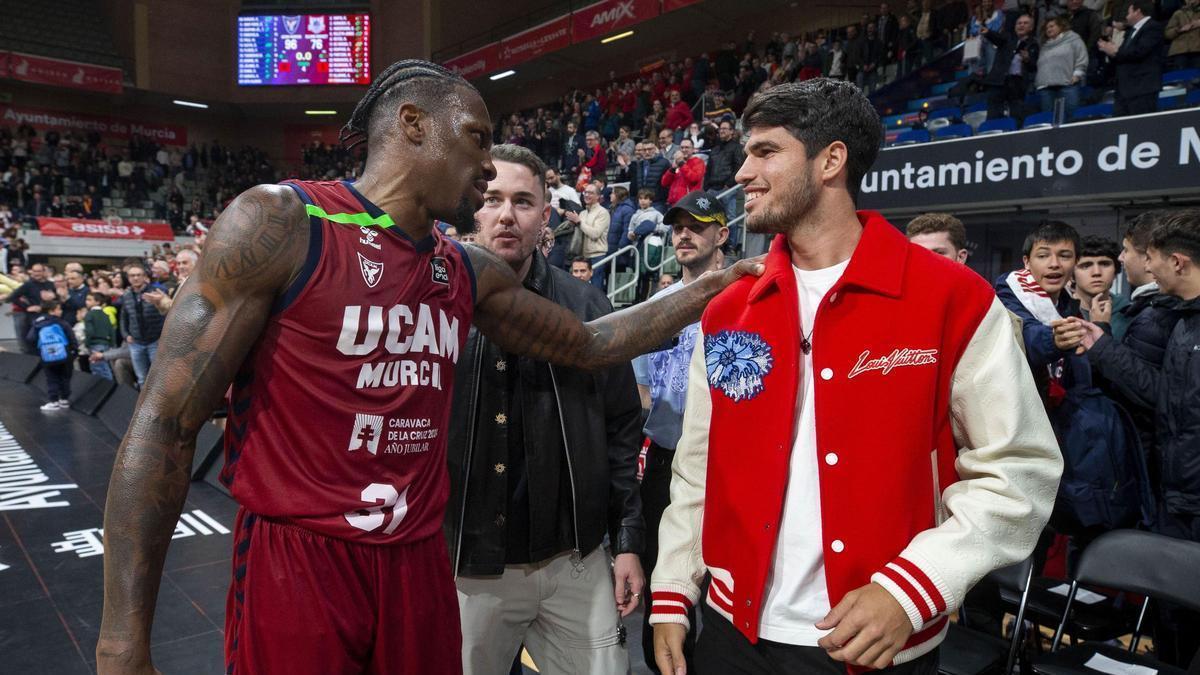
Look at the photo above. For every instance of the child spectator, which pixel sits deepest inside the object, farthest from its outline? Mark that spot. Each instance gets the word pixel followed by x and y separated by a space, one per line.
pixel 56 344
pixel 100 334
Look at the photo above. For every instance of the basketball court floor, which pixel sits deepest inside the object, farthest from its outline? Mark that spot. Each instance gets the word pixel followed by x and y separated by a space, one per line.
pixel 54 470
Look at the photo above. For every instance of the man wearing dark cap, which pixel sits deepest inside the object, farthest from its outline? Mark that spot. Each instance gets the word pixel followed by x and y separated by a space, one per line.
pixel 698 231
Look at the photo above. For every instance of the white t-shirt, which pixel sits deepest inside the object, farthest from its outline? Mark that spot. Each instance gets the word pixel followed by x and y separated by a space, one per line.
pixel 564 191
pixel 797 597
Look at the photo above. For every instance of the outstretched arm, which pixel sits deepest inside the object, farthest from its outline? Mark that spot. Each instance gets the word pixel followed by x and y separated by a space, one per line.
pixel 254 250
pixel 524 323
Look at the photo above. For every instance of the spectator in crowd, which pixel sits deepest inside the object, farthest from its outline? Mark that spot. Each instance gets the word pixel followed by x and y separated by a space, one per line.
pixel 666 145
pixel 719 110
pixel 855 53
pixel 185 263
pixel 873 59
pixel 1173 391
pixel 56 345
pixel 1037 294
pixel 1013 66
pixel 1062 64
pixel 1077 407
pixel 1095 270
pixel 1183 30
pixel 545 470
pixel 160 271
pixel 907 55
pixel 74 290
pixel 572 143
pixel 27 301
pixel 887 28
pixel 100 335
pixel 647 172
pixel 1085 22
pixel 592 158
pixel 623 144
pixel 685 175
pixel 698 232
pixel 581 269
pixel 561 194
pixel 141 321
pixel 834 66
pixel 620 215
pixel 1138 61
pixel 593 225
pixel 724 160
pixel 940 233
pixel 679 115
pixel 647 232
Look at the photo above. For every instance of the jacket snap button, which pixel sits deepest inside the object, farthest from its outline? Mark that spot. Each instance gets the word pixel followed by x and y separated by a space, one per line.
pixel 826 373
pixel 837 546
pixel 831 458
pixel 747 603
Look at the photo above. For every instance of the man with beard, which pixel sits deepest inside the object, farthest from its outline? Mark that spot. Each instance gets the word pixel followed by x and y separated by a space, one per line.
pixel 861 442
pixel 337 311
pixel 698 232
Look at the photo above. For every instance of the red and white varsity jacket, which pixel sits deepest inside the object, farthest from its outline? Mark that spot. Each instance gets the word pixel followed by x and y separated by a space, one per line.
pixel 937 462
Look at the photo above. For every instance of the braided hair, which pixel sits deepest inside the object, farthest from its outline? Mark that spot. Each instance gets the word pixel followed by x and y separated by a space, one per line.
pixel 356 130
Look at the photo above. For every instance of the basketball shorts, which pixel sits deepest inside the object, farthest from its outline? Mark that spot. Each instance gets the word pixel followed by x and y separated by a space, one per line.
pixel 302 603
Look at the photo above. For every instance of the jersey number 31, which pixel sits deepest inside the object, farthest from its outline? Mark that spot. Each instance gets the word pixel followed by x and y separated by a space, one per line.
pixel 384 500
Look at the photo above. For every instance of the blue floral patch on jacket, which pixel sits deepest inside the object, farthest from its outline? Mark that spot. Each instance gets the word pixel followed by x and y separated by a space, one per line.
pixel 737 362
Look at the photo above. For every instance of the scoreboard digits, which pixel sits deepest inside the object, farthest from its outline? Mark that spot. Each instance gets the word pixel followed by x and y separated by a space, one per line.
pixel 304 49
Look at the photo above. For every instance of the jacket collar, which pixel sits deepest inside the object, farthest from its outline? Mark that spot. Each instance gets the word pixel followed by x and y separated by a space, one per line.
pixel 877 264
pixel 538 278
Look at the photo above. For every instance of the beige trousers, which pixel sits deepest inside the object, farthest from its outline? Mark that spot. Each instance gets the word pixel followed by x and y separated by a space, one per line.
pixel 561 609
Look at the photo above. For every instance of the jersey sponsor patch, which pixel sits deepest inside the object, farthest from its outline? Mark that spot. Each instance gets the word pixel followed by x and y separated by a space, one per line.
pixel 366 433
pixel 372 271
pixel 441 273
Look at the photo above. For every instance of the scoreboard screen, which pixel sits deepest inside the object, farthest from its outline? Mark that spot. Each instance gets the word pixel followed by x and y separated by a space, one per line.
pixel 304 49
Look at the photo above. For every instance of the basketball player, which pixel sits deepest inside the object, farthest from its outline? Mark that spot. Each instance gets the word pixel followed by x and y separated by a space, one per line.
pixel 337 312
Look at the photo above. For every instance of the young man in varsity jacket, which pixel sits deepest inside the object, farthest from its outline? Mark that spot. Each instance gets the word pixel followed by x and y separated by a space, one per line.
pixel 862 440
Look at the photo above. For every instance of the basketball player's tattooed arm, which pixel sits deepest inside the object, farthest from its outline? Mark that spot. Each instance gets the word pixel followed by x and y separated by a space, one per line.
pixel 253 252
pixel 524 323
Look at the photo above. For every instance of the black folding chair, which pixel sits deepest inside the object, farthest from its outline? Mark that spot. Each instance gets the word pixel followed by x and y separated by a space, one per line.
pixel 1152 565
pixel 968 651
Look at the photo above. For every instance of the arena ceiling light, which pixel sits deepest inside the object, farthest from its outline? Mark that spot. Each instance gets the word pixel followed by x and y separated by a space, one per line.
pixel 320 112
pixel 614 38
pixel 501 76
pixel 190 104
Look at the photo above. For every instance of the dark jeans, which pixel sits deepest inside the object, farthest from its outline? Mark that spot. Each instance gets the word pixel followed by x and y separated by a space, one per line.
pixel 722 650
pixel 656 495
pixel 58 380
pixel 1177 631
pixel 1135 105
pixel 21 323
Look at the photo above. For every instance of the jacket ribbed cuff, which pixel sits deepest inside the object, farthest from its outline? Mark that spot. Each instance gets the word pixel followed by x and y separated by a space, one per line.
pixel 918 589
pixel 671 603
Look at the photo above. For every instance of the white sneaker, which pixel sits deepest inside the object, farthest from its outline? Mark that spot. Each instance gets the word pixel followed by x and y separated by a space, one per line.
pixel 64 403
pixel 52 405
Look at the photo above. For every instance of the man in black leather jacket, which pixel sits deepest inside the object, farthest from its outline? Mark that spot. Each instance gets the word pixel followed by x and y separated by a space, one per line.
pixel 543 464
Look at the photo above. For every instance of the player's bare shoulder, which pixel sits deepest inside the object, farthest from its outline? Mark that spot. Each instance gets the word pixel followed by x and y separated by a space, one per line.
pixel 260 239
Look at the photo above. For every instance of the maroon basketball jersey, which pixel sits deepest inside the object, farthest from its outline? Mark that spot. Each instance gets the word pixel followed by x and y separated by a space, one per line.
pixel 337 418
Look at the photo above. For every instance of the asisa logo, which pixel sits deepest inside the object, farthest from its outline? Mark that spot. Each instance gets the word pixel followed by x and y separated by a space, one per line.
pixel 737 362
